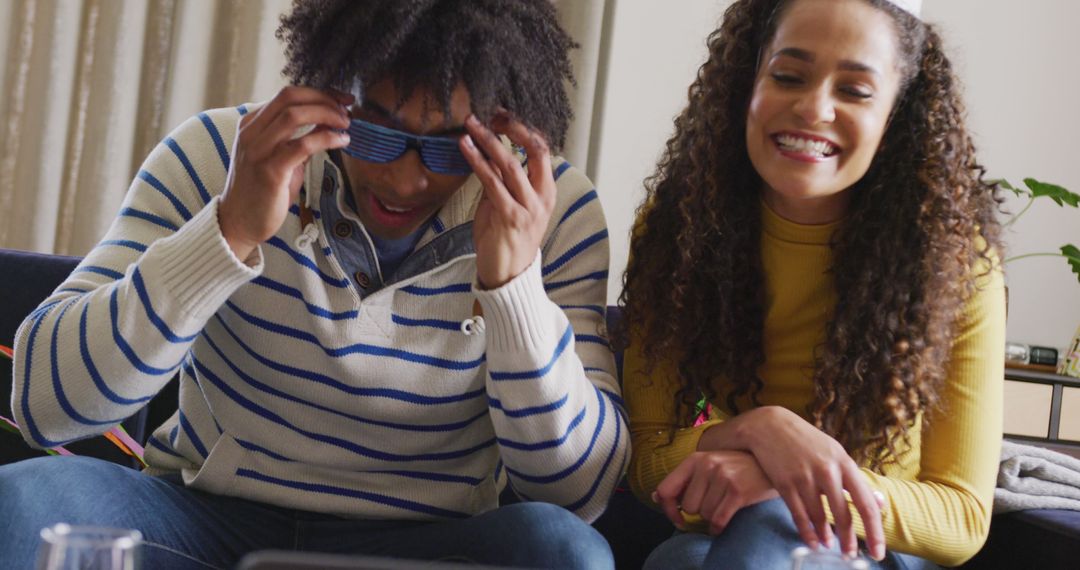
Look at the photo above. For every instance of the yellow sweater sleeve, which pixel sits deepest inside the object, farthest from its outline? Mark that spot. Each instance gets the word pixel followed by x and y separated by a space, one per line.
pixel 650 400
pixel 943 514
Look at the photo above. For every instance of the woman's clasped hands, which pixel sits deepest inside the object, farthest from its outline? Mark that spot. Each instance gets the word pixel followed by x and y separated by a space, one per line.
pixel 767 452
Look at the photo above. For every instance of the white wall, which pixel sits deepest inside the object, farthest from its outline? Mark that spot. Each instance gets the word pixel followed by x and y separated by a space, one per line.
pixel 1017 61
pixel 655 51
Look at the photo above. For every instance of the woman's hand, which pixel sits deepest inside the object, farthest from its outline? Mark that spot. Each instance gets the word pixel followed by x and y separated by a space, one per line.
pixel 268 163
pixel 713 485
pixel 516 206
pixel 803 463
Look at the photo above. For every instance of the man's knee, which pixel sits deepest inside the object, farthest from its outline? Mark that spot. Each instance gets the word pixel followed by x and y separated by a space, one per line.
pixel 48 483
pixel 556 537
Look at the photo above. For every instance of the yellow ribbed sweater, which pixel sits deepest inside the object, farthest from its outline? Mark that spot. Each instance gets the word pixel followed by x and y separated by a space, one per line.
pixel 939 495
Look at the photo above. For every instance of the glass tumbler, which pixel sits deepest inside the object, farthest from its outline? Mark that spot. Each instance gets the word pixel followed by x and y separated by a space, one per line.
pixel 67 547
pixel 802 558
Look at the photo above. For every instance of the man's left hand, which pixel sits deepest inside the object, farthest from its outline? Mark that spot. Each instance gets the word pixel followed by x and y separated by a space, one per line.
pixel 516 206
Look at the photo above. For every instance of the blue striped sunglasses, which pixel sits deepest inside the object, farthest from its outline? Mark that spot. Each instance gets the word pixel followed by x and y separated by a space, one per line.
pixel 376 143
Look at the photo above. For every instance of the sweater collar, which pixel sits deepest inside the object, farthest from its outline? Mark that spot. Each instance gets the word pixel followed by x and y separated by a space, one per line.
pixel 786 230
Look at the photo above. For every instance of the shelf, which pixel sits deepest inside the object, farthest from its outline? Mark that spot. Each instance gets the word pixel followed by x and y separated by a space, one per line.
pixel 1062 390
pixel 1038 376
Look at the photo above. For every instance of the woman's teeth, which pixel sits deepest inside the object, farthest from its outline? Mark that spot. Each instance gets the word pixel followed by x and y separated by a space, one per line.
pixel 816 148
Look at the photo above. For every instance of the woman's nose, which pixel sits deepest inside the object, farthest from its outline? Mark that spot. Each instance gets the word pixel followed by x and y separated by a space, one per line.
pixel 815 106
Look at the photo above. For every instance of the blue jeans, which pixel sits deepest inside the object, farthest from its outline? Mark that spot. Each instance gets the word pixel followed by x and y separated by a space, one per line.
pixel 759 536
pixel 184 528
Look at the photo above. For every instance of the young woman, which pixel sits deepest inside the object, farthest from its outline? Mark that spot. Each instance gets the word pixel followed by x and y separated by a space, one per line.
pixel 831 290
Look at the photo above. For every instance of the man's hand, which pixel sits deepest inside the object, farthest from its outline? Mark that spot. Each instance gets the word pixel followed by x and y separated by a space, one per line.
pixel 267 167
pixel 516 207
pixel 713 485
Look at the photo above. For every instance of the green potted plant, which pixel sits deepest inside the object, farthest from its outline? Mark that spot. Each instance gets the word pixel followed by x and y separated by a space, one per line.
pixel 1033 189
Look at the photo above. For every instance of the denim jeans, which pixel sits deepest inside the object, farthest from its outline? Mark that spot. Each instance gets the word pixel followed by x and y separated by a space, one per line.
pixel 758 536
pixel 184 528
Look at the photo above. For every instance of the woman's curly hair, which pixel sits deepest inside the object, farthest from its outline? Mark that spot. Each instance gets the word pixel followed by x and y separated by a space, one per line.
pixel 508 53
pixel 904 260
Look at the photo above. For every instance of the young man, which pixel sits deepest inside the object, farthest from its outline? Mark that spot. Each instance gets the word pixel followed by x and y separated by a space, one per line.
pixel 380 312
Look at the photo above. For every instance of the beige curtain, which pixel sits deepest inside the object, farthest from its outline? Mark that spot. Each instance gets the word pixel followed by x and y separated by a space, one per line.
pixel 588 22
pixel 90 86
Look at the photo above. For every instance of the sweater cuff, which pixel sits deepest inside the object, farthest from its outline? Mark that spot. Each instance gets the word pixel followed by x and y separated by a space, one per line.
pixel 685 443
pixel 654 458
pixel 197 269
pixel 518 313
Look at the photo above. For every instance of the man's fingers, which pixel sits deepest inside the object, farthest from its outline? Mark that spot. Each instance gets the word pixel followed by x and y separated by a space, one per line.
pixel 292 153
pixel 295 95
pixel 536 148
pixel 502 160
pixel 246 120
pixel 341 96
pixel 494 189
pixel 290 120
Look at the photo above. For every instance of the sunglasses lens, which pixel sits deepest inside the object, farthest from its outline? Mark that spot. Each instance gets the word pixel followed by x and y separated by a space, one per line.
pixel 373 143
pixel 442 155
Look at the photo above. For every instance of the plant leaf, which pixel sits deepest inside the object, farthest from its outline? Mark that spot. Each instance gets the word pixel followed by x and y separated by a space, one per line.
pixel 1005 184
pixel 1053 191
pixel 1072 255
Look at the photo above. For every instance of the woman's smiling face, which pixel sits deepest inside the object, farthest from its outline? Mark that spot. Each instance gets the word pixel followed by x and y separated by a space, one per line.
pixel 822 98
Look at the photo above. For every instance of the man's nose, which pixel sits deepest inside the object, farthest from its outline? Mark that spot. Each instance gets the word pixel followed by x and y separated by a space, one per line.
pixel 407 175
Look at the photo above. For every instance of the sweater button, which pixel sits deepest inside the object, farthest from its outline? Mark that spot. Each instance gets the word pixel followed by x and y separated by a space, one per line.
pixel 328 184
pixel 362 279
pixel 343 229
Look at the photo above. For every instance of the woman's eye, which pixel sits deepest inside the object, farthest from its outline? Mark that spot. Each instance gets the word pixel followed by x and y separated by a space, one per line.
pixel 857 92
pixel 786 79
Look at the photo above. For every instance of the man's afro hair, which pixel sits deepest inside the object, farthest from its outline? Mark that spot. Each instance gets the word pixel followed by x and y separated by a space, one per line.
pixel 508 53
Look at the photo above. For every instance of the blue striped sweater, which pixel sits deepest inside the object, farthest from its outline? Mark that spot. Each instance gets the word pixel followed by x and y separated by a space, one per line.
pixel 296 390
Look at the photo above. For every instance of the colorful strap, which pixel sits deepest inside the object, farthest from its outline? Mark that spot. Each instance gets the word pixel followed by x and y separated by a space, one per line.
pixel 117 435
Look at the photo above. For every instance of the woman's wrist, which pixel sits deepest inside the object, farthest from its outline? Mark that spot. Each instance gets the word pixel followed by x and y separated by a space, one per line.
pixel 742 432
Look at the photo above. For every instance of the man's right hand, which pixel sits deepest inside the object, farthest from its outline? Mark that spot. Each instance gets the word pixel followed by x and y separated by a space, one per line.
pixel 267 166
